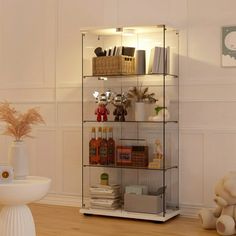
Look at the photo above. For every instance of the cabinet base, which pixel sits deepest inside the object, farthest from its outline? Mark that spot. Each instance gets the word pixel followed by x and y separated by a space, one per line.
pixel 132 215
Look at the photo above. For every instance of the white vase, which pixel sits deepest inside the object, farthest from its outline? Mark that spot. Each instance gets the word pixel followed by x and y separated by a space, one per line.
pixel 18 159
pixel 140 112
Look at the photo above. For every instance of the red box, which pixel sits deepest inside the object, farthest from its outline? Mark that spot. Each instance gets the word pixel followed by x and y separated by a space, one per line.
pixel 124 156
pixel 136 156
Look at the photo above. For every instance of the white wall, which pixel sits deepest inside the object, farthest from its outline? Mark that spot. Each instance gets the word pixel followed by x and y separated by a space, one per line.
pixel 207 100
pixel 40 65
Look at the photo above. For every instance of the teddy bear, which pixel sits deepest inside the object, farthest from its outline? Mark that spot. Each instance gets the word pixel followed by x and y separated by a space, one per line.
pixel 223 217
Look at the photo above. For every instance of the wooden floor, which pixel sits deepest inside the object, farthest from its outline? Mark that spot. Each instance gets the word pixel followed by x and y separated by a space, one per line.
pixel 67 221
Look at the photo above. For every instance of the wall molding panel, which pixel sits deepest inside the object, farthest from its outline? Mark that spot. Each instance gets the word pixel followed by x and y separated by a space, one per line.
pixel 32 55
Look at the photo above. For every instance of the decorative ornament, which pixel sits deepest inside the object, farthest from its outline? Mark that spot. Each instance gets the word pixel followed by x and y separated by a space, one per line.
pixel 19 126
pixel 102 99
pixel 121 102
pixel 104 179
pixel 157 161
pixel 141 96
pixel 6 173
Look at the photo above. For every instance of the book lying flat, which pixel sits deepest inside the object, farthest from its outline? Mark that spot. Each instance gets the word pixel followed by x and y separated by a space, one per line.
pixel 104 188
pixel 105 191
pixel 105 208
pixel 105 203
pixel 99 196
pixel 110 186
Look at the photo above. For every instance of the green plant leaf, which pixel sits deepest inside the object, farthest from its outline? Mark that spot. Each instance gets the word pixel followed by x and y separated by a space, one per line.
pixel 158 109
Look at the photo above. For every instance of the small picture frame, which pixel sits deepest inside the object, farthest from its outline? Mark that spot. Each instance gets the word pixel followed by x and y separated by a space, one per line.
pixel 228 46
pixel 6 174
pixel 124 156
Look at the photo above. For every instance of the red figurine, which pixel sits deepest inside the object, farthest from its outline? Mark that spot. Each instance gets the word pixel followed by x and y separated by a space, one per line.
pixel 101 110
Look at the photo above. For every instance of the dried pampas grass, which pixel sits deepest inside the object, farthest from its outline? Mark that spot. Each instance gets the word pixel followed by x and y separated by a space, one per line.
pixel 19 124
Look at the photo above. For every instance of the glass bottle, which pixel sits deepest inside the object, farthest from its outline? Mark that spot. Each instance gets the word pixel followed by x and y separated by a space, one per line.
pixel 99 140
pixel 93 156
pixel 103 148
pixel 111 147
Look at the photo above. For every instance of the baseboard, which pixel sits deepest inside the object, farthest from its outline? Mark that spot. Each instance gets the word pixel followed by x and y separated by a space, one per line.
pixel 76 201
pixel 190 211
pixel 62 200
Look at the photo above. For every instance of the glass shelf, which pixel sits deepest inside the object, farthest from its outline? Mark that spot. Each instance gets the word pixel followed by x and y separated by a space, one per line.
pixel 136 29
pixel 103 77
pixel 133 121
pixel 130 167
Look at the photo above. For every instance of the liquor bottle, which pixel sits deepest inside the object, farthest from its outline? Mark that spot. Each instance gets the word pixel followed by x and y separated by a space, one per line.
pixel 93 156
pixel 103 148
pixel 110 147
pixel 99 140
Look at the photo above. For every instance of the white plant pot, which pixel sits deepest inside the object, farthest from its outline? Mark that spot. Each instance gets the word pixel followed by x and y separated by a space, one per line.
pixel 140 112
pixel 18 159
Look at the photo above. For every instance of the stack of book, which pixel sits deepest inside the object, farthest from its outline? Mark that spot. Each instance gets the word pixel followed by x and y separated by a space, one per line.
pixel 105 197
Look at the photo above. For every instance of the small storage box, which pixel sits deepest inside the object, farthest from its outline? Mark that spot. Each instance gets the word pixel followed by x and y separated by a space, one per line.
pixel 113 65
pixel 136 189
pixel 140 156
pixel 143 203
pixel 136 156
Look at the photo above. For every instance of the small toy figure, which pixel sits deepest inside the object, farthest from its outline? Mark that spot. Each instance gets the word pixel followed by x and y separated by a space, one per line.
pixel 102 101
pixel 120 102
pixel 158 151
pixel 99 52
pixel 157 161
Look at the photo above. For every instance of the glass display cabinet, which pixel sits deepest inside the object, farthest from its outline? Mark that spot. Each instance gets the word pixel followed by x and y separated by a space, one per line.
pixel 130 122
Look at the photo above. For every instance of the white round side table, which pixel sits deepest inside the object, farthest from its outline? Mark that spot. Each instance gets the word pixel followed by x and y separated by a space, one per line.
pixel 15 217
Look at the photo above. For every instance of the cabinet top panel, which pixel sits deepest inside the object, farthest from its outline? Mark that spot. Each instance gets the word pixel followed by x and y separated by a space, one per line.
pixel 131 30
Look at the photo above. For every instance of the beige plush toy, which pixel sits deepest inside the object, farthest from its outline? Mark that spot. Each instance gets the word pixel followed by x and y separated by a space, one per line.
pixel 223 217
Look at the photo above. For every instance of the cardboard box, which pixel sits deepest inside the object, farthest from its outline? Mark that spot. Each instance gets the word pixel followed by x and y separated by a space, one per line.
pixel 143 203
pixel 136 189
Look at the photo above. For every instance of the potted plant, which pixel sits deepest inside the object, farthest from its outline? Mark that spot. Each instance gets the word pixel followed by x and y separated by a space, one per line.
pixel 141 96
pixel 19 126
pixel 162 112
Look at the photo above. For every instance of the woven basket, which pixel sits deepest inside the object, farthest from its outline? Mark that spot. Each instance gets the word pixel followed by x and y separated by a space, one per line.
pixel 113 65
